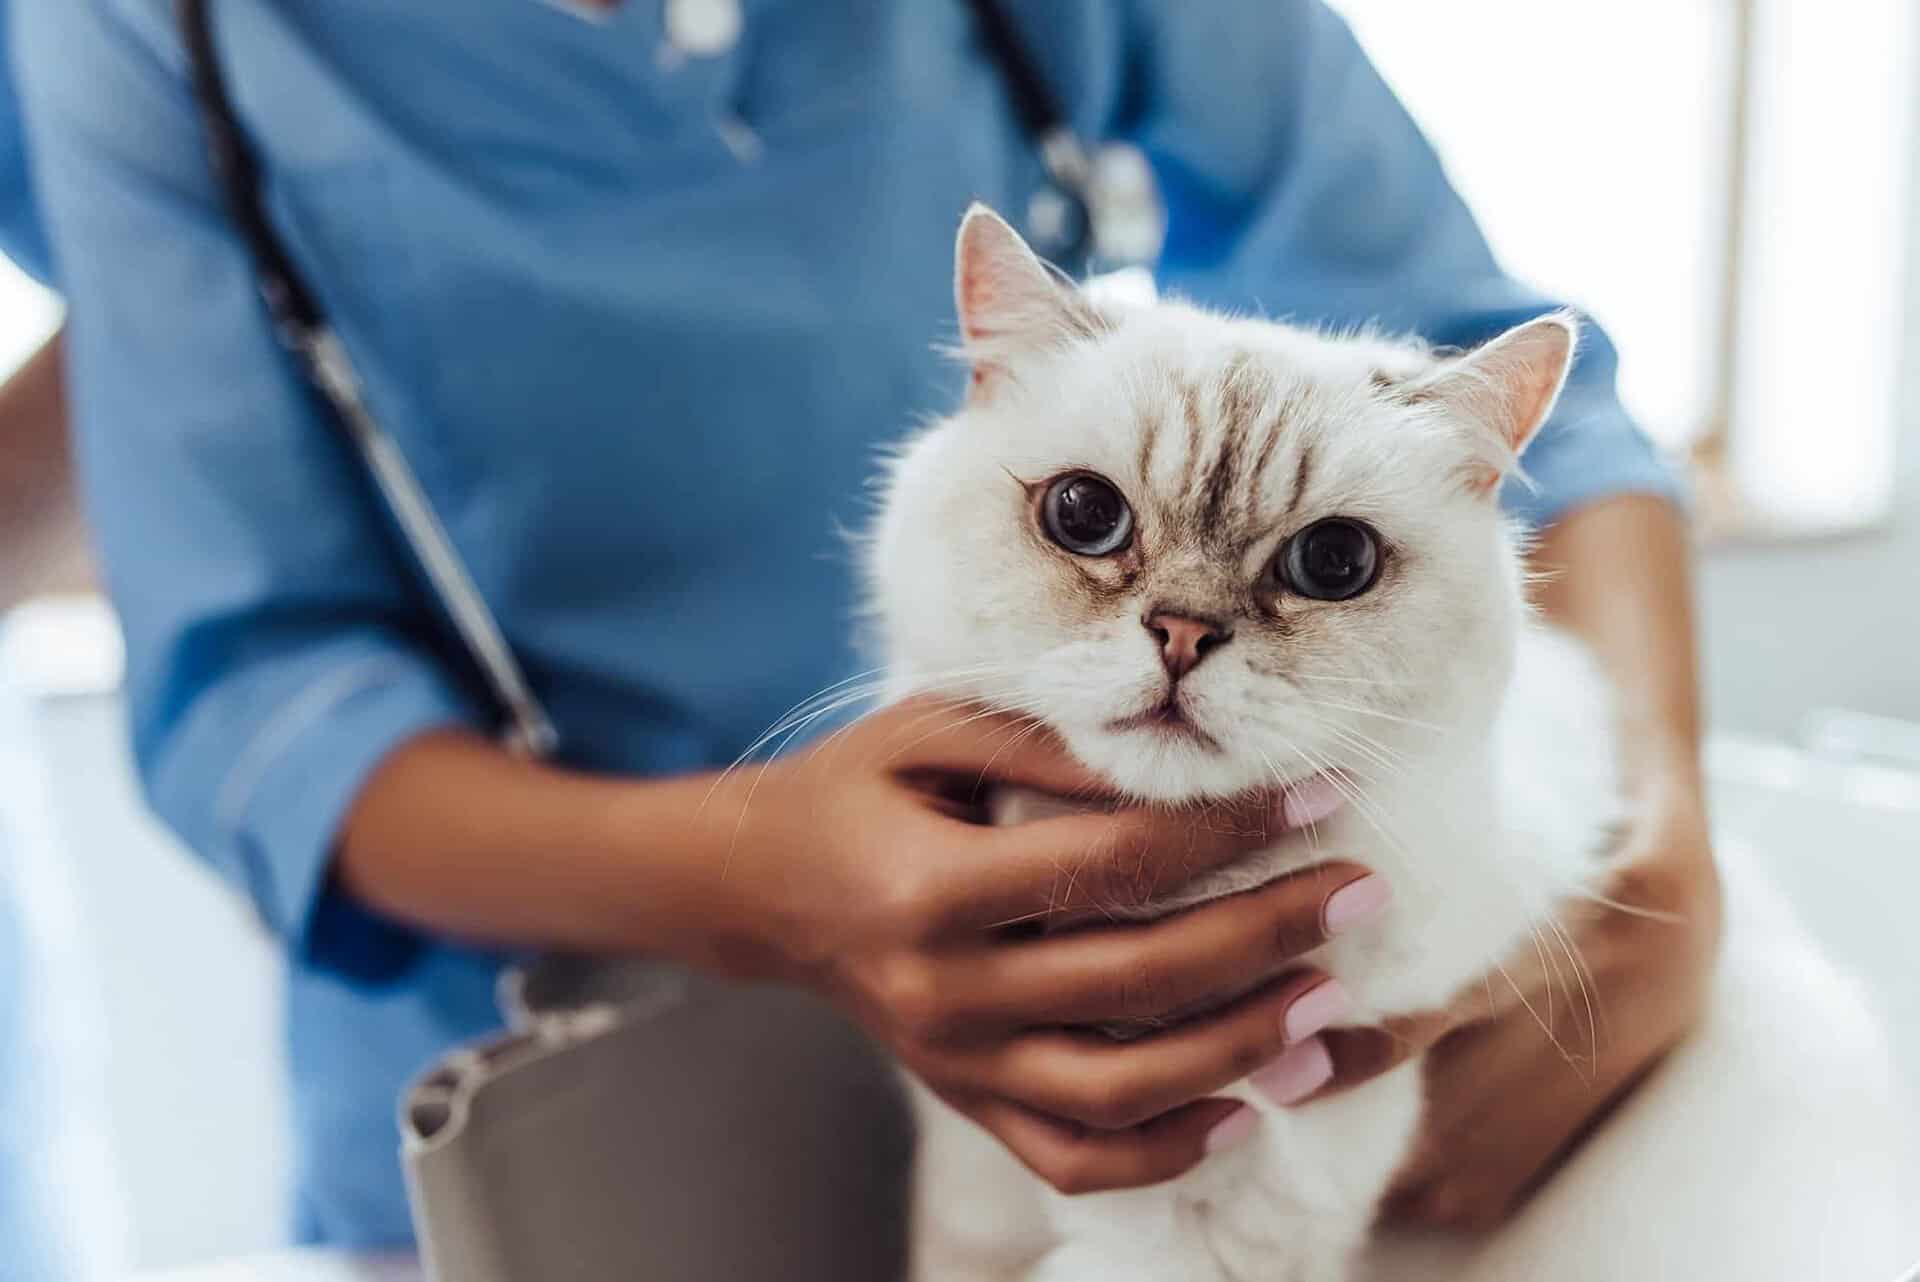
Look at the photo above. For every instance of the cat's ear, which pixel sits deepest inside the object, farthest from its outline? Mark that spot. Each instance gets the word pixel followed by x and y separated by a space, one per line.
pixel 1010 303
pixel 1503 391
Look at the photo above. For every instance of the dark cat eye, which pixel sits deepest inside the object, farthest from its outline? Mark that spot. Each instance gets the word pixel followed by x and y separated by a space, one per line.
pixel 1331 560
pixel 1086 516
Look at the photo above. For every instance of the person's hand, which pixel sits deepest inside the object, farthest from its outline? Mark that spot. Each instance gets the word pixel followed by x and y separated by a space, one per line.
pixel 1523 1067
pixel 860 869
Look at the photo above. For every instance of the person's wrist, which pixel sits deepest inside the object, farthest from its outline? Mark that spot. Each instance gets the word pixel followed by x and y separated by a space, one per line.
pixel 1667 779
pixel 1669 867
pixel 682 889
pixel 748 861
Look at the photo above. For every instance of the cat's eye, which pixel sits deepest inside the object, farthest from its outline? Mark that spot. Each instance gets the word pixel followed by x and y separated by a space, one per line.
pixel 1331 560
pixel 1086 516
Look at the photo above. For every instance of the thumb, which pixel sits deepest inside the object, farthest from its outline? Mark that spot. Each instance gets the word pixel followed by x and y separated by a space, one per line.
pixel 1363 1053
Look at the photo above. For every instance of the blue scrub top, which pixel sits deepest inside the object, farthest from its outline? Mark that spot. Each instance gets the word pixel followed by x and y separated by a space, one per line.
pixel 641 371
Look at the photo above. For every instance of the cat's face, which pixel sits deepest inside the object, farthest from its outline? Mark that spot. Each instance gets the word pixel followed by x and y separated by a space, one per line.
pixel 1211 554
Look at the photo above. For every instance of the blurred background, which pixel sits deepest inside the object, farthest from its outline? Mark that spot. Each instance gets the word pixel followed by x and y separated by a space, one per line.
pixel 1724 184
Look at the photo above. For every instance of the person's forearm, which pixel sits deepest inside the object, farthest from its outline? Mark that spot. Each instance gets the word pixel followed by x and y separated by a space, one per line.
pixel 42 547
pixel 1616 574
pixel 455 835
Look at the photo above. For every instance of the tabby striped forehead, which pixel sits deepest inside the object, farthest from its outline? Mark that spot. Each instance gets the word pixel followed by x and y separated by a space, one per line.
pixel 1228 454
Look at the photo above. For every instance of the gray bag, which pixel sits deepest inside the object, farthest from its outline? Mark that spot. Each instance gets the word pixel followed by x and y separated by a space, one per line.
pixel 637 1122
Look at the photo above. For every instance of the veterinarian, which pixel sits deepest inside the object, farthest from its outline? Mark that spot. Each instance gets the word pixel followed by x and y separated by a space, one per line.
pixel 637 288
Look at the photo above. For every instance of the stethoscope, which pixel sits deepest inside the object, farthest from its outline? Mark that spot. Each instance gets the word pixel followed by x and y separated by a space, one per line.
pixel 1100 206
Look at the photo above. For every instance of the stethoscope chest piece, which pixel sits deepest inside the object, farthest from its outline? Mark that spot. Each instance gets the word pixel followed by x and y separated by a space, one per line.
pixel 1129 220
pixel 702 28
pixel 1101 207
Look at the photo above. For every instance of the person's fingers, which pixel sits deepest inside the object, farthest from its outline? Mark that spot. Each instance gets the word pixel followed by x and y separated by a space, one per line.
pixel 1078 1159
pixel 1108 865
pixel 1362 1053
pixel 1091 1078
pixel 1161 970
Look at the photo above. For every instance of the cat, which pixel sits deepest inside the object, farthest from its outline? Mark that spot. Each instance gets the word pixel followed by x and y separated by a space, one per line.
pixel 1218 554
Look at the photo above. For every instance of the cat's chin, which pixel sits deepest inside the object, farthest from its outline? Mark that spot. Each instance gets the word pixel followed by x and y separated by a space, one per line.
pixel 1160 765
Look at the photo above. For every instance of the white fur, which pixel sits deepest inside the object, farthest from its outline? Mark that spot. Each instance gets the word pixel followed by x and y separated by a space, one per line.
pixel 1476 743
pixel 1765 1148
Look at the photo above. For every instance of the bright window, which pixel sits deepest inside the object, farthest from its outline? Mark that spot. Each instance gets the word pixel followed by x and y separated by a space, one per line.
pixel 28 315
pixel 1722 184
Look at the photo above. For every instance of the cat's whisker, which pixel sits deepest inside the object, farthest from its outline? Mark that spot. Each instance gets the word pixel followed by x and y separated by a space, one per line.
pixel 800 709
pixel 948 685
pixel 1348 782
pixel 1022 919
pixel 1384 716
pixel 795 726
pixel 1660 915
pixel 837 697
pixel 1034 725
pixel 847 698
pixel 1372 816
pixel 953 678
pixel 1312 830
pixel 1389 759
pixel 1353 797
pixel 982 715
pixel 1373 751
pixel 1549 969
pixel 832 737
pixel 1521 996
pixel 833 704
pixel 1330 679
pixel 1390 764
pixel 1545 932
pixel 1596 1016
pixel 1058 898
pixel 837 736
pixel 740 822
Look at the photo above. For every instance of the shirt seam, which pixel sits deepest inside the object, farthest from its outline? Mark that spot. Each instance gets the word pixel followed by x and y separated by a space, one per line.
pixel 277 736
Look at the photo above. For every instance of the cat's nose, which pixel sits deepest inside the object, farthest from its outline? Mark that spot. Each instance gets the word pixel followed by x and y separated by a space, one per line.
pixel 1185 640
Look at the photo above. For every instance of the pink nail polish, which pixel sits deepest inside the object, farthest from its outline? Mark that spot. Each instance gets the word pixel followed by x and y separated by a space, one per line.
pixel 1356 902
pixel 1309 801
pixel 1315 1009
pixel 1231 1130
pixel 1299 1072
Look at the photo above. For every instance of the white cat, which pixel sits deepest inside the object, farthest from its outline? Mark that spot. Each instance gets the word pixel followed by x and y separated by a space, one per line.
pixel 1220 554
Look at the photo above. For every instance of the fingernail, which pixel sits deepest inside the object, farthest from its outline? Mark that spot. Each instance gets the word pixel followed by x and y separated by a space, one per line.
pixel 1299 1072
pixel 1309 801
pixel 1231 1130
pixel 1356 902
pixel 1315 1009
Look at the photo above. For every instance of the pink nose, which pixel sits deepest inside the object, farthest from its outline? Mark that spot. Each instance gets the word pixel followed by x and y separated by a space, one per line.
pixel 1185 640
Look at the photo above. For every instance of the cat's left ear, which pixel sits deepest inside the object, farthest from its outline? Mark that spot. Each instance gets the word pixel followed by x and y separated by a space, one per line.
pixel 1010 303
pixel 1503 391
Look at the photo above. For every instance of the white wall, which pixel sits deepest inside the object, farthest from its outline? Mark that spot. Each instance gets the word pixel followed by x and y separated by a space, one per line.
pixel 152 1000
pixel 1790 629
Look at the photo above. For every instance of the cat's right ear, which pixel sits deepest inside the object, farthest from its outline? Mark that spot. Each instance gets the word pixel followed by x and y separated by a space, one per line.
pixel 1504 390
pixel 1010 303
